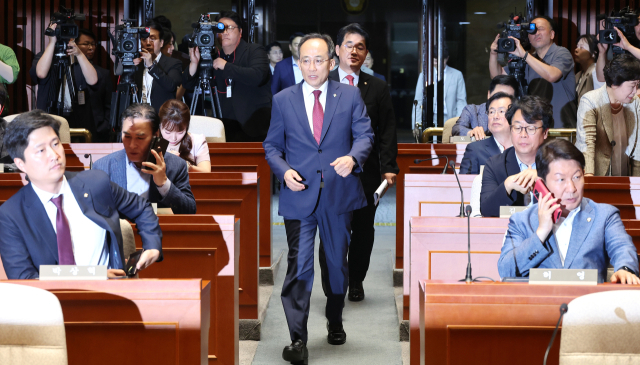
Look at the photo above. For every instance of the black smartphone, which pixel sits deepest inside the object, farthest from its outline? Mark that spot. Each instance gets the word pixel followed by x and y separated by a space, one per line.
pixel 130 266
pixel 158 144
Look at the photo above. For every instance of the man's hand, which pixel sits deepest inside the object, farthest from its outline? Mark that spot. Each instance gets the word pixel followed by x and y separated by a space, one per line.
pixel 53 39
pixel 293 180
pixel 194 55
pixel 147 258
pixel 624 277
pixel 115 273
pixel 602 48
pixel 343 165
pixel 147 57
pixel 522 182
pixel 158 170
pixel 546 206
pixel 624 43
pixel 494 45
pixel 390 177
pixel 73 50
pixel 519 51
pixel 477 132
pixel 219 63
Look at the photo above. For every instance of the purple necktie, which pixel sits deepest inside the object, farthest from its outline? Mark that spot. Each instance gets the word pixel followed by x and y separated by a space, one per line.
pixel 318 116
pixel 65 248
pixel 350 78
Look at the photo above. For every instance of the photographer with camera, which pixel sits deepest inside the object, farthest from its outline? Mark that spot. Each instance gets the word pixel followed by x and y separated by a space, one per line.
pixel 243 79
pixel 625 44
pixel 549 71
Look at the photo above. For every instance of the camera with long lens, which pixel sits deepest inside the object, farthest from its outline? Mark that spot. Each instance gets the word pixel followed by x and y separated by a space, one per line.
pixel 66 28
pixel 203 37
pixel 517 27
pixel 624 19
pixel 126 46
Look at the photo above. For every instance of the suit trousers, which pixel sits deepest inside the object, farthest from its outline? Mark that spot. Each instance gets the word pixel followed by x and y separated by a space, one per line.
pixel 335 232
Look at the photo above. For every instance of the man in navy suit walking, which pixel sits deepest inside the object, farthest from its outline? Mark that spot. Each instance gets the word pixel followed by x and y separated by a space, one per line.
pixel 287 72
pixel 319 138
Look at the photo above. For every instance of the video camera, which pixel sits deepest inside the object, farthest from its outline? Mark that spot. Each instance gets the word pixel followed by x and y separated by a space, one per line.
pixel 203 36
pixel 517 27
pixel 127 40
pixel 625 20
pixel 66 28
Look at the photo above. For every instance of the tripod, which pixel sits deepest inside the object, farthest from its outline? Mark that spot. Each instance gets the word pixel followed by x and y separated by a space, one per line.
pixel 61 72
pixel 204 88
pixel 126 92
pixel 516 68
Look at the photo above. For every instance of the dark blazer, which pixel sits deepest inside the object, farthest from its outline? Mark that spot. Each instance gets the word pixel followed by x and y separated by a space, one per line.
pixel 382 158
pixel 380 76
pixel 167 76
pixel 28 240
pixel 179 198
pixel 100 95
pixel 283 76
pixel 493 194
pixel 476 154
pixel 346 130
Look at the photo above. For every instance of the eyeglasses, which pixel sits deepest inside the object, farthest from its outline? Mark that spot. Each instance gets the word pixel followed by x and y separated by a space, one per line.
pixel 318 62
pixel 531 130
pixel 87 45
pixel 229 28
pixel 359 48
pixel 498 112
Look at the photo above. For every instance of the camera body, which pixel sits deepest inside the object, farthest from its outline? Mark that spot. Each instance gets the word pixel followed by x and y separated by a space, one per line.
pixel 516 28
pixel 203 36
pixel 625 20
pixel 66 29
pixel 127 41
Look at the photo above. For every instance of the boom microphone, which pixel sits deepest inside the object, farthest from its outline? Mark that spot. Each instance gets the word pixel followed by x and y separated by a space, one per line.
pixel 563 309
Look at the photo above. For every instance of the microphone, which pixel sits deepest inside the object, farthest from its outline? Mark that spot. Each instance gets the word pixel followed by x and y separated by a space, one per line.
pixel 613 144
pixel 468 278
pixel 563 309
pixel 453 167
pixel 90 157
pixel 417 161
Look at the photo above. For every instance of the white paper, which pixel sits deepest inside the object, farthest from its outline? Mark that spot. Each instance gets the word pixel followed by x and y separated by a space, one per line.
pixel 380 192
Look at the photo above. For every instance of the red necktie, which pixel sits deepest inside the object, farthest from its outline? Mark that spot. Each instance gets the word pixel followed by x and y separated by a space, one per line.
pixel 350 78
pixel 318 116
pixel 65 248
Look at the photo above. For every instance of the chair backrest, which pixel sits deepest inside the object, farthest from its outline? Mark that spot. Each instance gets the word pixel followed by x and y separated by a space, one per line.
pixel 448 125
pixel 602 328
pixel 128 238
pixel 476 188
pixel 212 128
pixel 65 133
pixel 31 327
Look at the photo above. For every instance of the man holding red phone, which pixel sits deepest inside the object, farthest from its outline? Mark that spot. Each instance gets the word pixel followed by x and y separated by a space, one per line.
pixel 587 235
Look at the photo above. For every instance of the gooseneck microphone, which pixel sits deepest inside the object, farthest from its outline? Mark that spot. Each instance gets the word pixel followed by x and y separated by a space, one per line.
pixel 563 309
pixel 453 167
pixel 90 157
pixel 468 278
pixel 417 161
pixel 613 144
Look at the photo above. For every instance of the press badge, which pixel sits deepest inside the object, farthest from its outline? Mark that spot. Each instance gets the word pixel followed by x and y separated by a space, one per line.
pixel 229 89
pixel 81 100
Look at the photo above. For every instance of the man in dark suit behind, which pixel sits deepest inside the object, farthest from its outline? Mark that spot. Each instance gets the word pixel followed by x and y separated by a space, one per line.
pixel 508 178
pixel 381 164
pixel 66 218
pixel 287 73
pixel 318 141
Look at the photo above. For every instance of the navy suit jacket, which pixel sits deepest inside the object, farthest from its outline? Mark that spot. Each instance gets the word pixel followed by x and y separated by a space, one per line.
pixel 476 154
pixel 493 194
pixel 283 76
pixel 346 130
pixel 179 198
pixel 28 239
pixel 598 238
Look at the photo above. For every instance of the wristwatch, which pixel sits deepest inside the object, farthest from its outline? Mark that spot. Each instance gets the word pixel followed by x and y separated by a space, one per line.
pixel 626 268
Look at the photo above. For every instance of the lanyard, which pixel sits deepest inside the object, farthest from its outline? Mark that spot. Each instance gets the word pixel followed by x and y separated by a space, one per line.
pixel 225 81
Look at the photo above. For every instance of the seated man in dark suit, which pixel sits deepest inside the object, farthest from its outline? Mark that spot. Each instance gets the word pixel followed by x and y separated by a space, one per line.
pixel 66 218
pixel 166 182
pixel 477 153
pixel 508 178
pixel 287 73
pixel 587 235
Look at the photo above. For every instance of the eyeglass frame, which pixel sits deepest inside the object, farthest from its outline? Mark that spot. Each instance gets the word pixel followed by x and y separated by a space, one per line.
pixel 349 48
pixel 229 28
pixel 526 129
pixel 316 61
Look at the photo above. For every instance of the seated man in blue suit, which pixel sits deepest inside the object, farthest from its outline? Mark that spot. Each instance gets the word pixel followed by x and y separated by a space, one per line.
pixel 66 218
pixel 477 153
pixel 588 235
pixel 166 182
pixel 508 178
pixel 287 72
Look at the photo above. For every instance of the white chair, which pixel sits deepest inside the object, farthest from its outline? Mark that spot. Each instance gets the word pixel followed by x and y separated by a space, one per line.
pixel 212 128
pixel 31 327
pixel 476 188
pixel 602 328
pixel 65 133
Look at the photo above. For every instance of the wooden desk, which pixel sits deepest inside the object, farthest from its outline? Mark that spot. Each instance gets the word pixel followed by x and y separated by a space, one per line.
pixel 150 322
pixel 200 246
pixel 492 323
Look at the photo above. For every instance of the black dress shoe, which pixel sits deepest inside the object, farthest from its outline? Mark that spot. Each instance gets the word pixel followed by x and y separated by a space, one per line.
pixel 356 292
pixel 296 353
pixel 336 335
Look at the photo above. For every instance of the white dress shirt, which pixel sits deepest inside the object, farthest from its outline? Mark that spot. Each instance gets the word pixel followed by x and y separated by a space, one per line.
pixel 297 73
pixel 147 83
pixel 138 182
pixel 87 238
pixel 310 99
pixel 500 147
pixel 343 76
pixel 562 232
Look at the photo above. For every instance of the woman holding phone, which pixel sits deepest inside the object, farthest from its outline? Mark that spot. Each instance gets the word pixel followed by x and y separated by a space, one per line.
pixel 608 121
pixel 191 147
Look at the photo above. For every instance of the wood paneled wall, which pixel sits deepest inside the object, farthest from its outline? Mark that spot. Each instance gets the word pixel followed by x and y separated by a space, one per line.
pixel 577 17
pixel 23 26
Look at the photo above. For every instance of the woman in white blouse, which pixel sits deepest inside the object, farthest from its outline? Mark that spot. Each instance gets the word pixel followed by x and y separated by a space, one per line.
pixel 191 147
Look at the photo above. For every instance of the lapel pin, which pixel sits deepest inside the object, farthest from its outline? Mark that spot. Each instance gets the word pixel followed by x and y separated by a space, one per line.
pixel 589 219
pixel 334 95
pixel 86 195
pixel 365 82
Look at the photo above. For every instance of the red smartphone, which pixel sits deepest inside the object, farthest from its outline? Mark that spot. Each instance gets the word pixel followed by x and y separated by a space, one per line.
pixel 540 190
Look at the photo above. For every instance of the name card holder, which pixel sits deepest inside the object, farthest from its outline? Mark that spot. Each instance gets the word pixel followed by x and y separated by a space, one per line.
pixel 508 211
pixel 461 139
pixel 73 272
pixel 563 276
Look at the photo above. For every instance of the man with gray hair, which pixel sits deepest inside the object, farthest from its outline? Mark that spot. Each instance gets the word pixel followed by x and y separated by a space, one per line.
pixel 319 138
